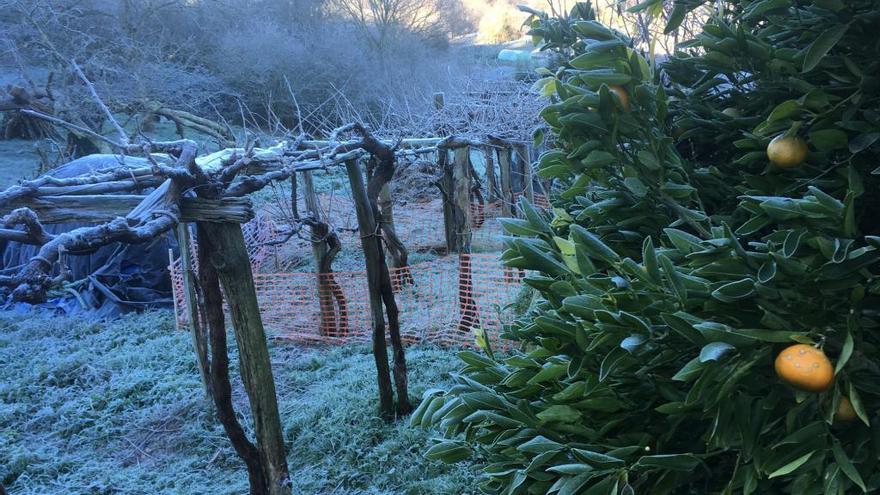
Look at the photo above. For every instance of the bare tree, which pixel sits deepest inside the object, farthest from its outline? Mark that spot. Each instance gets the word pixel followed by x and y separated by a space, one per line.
pixel 384 22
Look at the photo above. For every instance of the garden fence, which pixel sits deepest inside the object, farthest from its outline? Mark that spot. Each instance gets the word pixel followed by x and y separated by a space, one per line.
pixel 441 301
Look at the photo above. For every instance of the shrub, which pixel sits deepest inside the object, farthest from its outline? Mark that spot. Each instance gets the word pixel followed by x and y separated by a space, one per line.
pixel 209 60
pixel 671 280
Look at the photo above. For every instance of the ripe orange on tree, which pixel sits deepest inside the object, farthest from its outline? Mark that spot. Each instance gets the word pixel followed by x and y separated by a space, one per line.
pixel 621 93
pixel 805 367
pixel 787 152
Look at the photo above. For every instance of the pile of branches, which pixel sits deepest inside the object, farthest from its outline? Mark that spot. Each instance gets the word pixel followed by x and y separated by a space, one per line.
pixel 504 109
pixel 17 102
pixel 176 170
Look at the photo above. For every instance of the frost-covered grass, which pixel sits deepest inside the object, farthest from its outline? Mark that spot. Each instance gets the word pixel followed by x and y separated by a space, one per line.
pixel 117 408
pixel 17 160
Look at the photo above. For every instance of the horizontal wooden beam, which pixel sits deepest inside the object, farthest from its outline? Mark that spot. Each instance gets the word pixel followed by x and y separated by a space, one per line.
pixel 224 210
pixel 102 208
pixel 404 143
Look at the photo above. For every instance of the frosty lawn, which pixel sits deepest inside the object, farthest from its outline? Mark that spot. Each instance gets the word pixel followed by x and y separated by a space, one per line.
pixel 91 408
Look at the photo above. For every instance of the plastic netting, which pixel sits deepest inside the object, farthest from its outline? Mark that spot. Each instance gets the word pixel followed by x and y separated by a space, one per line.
pixel 440 301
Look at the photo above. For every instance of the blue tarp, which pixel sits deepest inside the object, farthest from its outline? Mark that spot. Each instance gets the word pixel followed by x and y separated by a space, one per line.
pixel 115 279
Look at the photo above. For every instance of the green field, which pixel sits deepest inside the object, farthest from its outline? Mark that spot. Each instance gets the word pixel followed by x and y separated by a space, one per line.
pixel 101 408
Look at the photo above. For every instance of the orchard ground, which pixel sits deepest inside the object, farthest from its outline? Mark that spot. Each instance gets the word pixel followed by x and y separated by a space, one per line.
pixel 117 407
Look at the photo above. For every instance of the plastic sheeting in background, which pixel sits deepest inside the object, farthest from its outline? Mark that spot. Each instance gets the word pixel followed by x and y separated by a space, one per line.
pixel 115 279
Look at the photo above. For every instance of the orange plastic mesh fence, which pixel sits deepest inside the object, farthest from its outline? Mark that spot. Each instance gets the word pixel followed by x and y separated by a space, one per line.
pixel 257 233
pixel 539 200
pixel 439 301
pixel 419 225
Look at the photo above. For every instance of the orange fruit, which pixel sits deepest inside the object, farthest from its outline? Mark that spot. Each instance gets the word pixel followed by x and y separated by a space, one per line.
pixel 805 367
pixel 622 95
pixel 845 410
pixel 787 152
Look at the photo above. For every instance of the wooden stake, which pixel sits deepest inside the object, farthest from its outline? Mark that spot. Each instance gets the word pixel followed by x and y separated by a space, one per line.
pixel 504 158
pixel 526 168
pixel 461 178
pixel 455 184
pixel 439 101
pixel 228 254
pixel 491 182
pixel 173 292
pixel 197 331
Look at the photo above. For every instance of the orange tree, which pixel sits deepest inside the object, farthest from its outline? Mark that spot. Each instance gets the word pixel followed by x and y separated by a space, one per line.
pixel 708 319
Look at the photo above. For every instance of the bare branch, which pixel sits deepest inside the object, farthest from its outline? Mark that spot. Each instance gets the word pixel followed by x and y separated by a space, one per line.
pixel 123 137
pixel 75 128
pixel 33 229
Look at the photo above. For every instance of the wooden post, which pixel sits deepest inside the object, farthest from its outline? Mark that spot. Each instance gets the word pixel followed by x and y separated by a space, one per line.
pixel 527 176
pixel 491 182
pixel 310 197
pixel 224 243
pixel 439 101
pixel 375 261
pixel 386 206
pixel 320 251
pixel 504 158
pixel 461 177
pixel 455 184
pixel 442 127
pixel 197 331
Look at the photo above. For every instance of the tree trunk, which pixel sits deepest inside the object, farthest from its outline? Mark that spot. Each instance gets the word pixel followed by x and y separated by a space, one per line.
pixel 381 294
pixel 325 247
pixel 227 252
pixel 393 245
pixel 221 387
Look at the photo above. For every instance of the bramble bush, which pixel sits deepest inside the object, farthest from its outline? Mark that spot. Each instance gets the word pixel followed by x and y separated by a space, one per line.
pixel 678 262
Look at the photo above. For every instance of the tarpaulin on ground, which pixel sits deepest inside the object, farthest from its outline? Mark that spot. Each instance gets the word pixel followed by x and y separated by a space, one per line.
pixel 115 279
